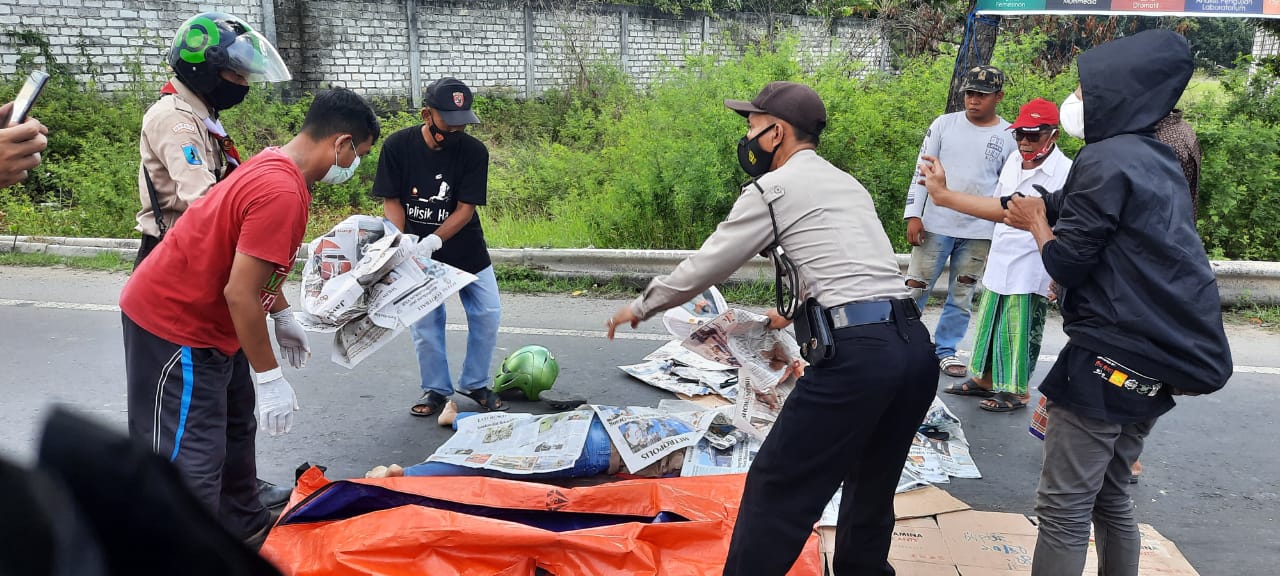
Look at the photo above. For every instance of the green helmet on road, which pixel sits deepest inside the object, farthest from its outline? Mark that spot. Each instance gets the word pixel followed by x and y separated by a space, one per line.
pixel 531 370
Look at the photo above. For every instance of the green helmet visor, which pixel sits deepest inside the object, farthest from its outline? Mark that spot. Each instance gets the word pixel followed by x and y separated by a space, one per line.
pixel 255 58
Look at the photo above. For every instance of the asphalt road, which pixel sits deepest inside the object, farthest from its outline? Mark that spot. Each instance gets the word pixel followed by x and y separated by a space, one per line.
pixel 1211 484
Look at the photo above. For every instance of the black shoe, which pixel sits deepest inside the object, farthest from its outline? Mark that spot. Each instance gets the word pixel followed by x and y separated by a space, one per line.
pixel 273 496
pixel 257 539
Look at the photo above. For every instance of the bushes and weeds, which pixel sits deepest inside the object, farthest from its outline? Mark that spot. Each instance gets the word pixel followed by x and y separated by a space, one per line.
pixel 607 164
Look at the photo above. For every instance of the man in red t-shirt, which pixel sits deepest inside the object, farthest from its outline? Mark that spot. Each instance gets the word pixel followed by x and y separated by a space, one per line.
pixel 194 312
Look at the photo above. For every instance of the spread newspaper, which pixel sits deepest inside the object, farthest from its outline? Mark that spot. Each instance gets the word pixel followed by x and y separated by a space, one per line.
pixel 642 436
pixel 743 340
pixel 517 443
pixel 939 450
pixel 366 282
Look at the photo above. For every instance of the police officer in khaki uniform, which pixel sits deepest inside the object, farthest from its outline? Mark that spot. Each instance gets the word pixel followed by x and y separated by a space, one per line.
pixel 184 148
pixel 857 405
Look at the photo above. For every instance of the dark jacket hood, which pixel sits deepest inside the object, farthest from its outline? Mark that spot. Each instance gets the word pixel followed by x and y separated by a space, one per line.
pixel 1129 84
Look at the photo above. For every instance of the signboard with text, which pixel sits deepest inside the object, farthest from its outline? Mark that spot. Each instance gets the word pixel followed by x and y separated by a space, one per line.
pixel 1241 8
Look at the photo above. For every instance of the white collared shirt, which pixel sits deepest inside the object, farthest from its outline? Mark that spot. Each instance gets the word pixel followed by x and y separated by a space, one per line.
pixel 1014 265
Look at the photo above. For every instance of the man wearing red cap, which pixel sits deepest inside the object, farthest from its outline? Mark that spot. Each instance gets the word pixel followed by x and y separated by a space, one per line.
pixel 1013 307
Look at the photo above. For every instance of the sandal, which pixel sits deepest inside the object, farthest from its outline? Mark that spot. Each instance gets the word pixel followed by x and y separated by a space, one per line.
pixel 969 388
pixel 487 399
pixel 429 404
pixel 953 367
pixel 1003 402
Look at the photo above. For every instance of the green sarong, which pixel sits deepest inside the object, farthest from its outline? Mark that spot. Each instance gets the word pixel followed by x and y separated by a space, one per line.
pixel 1007 343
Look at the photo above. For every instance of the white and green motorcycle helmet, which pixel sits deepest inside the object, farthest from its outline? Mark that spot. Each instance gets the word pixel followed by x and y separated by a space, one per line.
pixel 531 370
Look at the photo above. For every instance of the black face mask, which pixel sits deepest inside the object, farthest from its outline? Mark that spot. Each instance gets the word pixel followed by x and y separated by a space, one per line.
pixel 226 95
pixel 753 159
pixel 444 139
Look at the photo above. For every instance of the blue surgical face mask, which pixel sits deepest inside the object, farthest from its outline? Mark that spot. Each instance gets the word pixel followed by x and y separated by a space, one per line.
pixel 337 174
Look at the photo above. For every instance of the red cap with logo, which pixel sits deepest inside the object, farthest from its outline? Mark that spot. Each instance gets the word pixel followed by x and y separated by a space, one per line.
pixel 1036 113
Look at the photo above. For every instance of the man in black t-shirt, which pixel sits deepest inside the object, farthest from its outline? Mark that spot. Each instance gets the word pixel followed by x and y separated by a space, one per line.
pixel 431 178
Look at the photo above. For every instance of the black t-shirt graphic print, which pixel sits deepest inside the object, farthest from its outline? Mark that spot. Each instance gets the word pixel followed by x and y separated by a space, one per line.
pixel 430 183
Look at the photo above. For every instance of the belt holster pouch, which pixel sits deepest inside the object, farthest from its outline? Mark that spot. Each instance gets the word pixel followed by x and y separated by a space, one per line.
pixel 814 334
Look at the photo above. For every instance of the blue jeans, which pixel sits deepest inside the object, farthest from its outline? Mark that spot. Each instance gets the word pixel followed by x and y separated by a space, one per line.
pixel 484 313
pixel 968 260
pixel 593 462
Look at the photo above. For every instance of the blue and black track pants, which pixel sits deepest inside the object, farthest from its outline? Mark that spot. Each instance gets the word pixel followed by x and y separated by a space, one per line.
pixel 195 406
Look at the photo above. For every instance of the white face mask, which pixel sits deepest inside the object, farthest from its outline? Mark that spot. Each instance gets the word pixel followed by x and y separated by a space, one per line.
pixel 1071 115
pixel 337 174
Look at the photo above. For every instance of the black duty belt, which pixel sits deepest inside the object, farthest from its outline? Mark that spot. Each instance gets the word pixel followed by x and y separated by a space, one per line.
pixel 864 313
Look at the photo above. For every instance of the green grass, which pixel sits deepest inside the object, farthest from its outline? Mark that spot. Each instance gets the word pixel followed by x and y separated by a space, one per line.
pixel 1266 317
pixel 525 280
pixel 105 261
pixel 500 230
pixel 1201 88
pixel 516 232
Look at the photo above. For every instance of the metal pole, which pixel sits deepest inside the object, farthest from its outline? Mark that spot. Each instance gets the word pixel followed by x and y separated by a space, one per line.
pixel 530 81
pixel 622 39
pixel 415 58
pixel 269 20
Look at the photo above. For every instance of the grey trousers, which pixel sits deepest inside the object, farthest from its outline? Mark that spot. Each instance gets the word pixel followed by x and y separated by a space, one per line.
pixel 195 406
pixel 1085 478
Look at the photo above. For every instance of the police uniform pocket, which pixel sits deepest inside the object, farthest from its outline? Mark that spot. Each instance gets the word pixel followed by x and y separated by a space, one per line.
pixel 1125 378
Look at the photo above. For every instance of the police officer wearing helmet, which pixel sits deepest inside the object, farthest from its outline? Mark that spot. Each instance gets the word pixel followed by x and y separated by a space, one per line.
pixel 871 373
pixel 184 148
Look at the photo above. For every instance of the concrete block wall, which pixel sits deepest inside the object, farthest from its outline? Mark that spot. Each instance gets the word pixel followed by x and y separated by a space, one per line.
pixel 102 39
pixel 481 42
pixel 565 41
pixel 496 46
pixel 357 44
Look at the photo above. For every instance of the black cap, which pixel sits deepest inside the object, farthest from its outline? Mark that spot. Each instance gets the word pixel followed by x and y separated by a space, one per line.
pixel 452 99
pixel 798 104
pixel 984 79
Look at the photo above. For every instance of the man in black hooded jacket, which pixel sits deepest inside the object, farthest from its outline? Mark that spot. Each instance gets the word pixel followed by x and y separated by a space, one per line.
pixel 1139 299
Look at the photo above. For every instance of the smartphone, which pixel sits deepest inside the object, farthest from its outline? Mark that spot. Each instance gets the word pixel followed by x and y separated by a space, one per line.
pixel 27 97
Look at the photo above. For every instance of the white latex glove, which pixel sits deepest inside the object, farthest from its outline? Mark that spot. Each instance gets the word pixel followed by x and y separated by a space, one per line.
pixel 276 402
pixel 292 338
pixel 428 245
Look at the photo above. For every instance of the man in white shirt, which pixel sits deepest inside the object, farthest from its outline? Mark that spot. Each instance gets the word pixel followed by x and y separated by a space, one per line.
pixel 1013 307
pixel 974 144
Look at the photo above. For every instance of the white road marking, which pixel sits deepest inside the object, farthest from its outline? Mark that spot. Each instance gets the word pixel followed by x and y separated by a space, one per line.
pixel 60 305
pixel 620 335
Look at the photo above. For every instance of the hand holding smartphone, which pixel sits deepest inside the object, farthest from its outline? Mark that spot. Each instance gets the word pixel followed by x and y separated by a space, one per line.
pixel 27 97
pixel 21 142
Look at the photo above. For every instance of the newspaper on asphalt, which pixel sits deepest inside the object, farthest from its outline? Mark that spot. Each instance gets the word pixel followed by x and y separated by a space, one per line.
pixel 685 318
pixel 743 339
pixel 642 436
pixel 675 352
pixel 517 443
pixel 365 281
pixel 659 374
pixel 939 450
